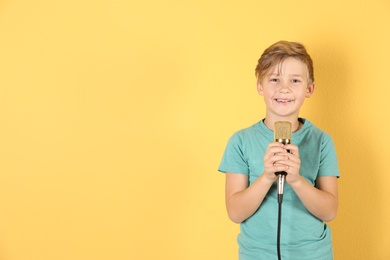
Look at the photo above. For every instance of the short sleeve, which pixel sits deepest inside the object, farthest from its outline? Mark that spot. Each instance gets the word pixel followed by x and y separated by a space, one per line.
pixel 233 159
pixel 328 160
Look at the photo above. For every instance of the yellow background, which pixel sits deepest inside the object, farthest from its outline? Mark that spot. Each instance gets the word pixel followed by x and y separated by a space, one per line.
pixel 114 116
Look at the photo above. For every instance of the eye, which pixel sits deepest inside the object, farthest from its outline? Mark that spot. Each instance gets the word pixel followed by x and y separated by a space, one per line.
pixel 273 80
pixel 295 81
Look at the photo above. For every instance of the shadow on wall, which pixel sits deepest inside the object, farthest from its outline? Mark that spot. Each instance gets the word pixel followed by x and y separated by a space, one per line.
pixel 332 109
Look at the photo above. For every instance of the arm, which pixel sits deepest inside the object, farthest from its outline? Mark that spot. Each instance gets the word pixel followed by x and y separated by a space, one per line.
pixel 322 200
pixel 243 200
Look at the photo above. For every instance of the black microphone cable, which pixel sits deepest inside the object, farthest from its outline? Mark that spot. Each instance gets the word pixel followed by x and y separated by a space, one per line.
pixel 279 225
pixel 281 176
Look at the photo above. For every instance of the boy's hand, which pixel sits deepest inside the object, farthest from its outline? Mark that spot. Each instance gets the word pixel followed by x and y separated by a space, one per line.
pixel 275 160
pixel 293 163
pixel 278 159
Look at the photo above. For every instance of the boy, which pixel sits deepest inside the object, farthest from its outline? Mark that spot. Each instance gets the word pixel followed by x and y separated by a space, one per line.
pixel 285 79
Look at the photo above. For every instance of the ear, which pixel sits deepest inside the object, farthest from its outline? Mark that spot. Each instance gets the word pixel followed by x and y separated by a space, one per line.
pixel 260 89
pixel 310 90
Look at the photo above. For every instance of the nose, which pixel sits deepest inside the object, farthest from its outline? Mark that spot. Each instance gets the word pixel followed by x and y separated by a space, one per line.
pixel 284 87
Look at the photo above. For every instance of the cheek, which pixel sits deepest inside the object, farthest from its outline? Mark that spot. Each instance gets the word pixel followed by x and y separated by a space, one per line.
pixel 267 95
pixel 300 98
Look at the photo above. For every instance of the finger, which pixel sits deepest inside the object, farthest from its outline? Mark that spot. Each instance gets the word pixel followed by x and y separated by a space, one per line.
pixel 290 164
pixel 281 168
pixel 294 159
pixel 292 167
pixel 278 159
pixel 275 144
pixel 282 161
pixel 293 149
pixel 273 157
pixel 276 148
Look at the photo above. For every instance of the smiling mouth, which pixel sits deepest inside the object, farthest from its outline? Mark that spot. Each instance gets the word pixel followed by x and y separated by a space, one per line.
pixel 279 100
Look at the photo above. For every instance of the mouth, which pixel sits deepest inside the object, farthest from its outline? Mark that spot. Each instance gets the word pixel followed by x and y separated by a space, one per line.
pixel 283 101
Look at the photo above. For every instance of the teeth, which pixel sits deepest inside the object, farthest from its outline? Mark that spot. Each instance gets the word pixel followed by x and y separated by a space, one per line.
pixel 283 100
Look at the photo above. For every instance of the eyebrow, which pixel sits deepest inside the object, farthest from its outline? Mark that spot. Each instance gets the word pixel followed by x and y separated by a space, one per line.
pixel 278 74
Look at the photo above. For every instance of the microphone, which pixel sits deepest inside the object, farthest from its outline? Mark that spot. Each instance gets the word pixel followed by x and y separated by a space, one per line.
pixel 282 134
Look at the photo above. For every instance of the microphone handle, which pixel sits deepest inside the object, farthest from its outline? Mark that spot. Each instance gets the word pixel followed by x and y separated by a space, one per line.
pixel 281 177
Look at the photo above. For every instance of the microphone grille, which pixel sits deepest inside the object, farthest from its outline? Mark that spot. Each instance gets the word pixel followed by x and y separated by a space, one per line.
pixel 282 130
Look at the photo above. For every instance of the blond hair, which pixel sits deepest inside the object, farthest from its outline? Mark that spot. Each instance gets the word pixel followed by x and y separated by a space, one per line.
pixel 278 52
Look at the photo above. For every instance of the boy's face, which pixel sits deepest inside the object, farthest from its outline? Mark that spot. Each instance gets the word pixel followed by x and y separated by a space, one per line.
pixel 285 88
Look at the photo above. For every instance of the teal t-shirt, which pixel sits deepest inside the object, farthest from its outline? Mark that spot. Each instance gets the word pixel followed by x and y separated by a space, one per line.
pixel 303 236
